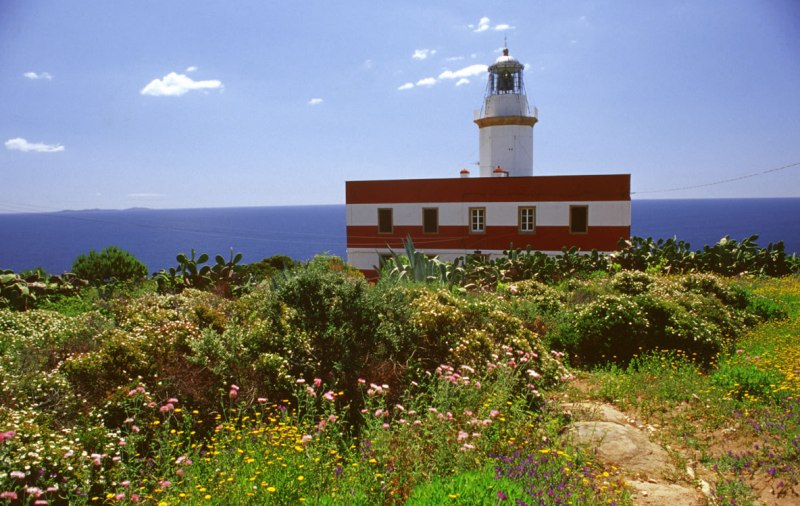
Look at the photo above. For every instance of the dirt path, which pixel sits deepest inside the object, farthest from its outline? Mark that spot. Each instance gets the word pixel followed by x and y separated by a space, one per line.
pixel 649 470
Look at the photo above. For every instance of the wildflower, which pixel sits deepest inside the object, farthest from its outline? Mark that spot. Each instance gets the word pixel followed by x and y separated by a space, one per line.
pixel 173 400
pixel 328 396
pixel 399 407
pixel 385 426
pixel 311 391
pixel 378 412
pixel 466 447
pixel 126 483
pixel 164 483
pixel 317 382
pixel 119 497
pixel 462 436
pixel 166 408
pixel 183 459
pixel 7 435
pixel 234 392
pixel 262 400
pixel 128 420
pixel 306 438
pixel 9 495
pixel 17 474
pixel 300 381
pixel 134 428
pixel 533 374
pixel 361 381
pixel 34 491
pixel 301 478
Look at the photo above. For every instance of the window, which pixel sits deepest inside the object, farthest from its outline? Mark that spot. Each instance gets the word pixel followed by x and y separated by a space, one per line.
pixel 430 220
pixel 385 225
pixel 527 219
pixel 578 219
pixel 477 220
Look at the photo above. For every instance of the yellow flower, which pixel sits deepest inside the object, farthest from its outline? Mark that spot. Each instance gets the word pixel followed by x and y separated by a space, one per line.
pixel 301 478
pixel 271 490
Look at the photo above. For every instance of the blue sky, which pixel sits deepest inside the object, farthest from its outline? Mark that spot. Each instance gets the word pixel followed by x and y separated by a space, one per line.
pixel 190 103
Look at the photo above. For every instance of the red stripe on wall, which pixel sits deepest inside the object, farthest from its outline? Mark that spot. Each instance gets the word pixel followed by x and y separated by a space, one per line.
pixel 495 238
pixel 506 189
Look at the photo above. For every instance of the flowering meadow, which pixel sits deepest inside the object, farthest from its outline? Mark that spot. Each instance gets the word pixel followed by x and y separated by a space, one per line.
pixel 317 387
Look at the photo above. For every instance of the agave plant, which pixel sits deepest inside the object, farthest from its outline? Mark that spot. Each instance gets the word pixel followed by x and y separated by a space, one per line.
pixel 416 266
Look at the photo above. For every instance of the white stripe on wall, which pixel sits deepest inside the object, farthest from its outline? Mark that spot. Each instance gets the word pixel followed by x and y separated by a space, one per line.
pixel 548 214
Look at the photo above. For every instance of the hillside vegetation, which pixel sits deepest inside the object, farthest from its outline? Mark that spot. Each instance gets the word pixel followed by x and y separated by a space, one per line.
pixel 282 383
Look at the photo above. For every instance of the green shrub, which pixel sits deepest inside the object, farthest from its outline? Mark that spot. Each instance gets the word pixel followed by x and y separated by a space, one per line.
pixel 631 282
pixel 112 264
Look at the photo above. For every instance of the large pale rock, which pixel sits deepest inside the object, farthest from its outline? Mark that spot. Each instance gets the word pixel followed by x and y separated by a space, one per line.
pixel 622 446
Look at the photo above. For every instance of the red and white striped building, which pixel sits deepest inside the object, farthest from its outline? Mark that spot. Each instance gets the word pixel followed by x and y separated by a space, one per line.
pixel 486 215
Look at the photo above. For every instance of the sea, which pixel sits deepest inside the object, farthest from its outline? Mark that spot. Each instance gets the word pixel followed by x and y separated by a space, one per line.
pixel 53 240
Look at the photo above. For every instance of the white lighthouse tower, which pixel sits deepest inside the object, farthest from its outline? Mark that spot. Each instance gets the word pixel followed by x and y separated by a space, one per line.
pixel 506 122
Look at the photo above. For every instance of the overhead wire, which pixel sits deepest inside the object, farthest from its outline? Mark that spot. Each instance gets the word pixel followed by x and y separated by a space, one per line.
pixel 721 181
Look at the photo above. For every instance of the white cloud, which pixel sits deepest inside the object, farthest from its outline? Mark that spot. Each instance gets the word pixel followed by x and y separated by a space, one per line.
pixel 20 144
pixel 483 25
pixel 421 54
pixel 406 86
pixel 461 81
pixel 471 71
pixel 191 69
pixel 175 85
pixel 40 75
pixel 428 81
pixel 315 101
pixel 455 58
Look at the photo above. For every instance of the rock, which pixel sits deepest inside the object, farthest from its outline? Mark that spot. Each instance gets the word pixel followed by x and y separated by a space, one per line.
pixel 621 445
pixel 662 493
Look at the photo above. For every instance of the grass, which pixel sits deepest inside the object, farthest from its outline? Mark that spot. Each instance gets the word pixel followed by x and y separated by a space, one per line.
pixel 739 416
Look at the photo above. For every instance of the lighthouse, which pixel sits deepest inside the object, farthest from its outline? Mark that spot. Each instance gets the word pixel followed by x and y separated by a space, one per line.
pixel 506 121
pixel 506 208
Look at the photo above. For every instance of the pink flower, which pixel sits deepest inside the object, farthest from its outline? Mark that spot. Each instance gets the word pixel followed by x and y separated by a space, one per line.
pixel 462 435
pixel 7 435
pixel 119 497
pixel 164 483
pixel 311 391
pixel 328 396
pixel 126 483
pixel 34 491
pixel 378 412
pixel 385 425
pixel 234 393
pixel 262 400
pixel 166 408
pixel 399 407
pixel 306 438
pixel 361 381
pixel 134 428
pixel 317 382
pixel 300 381
pixel 17 474
pixel 493 413
pixel 135 497
pixel 173 400
pixel 40 502
pixel 9 495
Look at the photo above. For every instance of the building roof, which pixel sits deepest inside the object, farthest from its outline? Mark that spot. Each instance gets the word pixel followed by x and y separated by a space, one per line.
pixel 600 187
